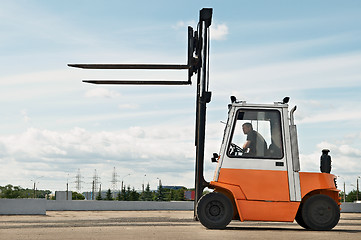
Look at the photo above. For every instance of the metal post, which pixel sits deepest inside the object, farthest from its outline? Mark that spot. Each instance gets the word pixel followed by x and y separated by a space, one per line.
pixel 357 189
pixel 34 190
pixel 123 179
pixel 67 191
pixel 143 182
pixel 93 190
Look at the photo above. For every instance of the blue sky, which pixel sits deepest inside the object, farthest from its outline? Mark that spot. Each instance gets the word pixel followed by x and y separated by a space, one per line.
pixel 52 124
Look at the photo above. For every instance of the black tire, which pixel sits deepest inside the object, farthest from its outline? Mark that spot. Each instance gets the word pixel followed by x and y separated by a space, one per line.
pixel 299 218
pixel 320 212
pixel 215 210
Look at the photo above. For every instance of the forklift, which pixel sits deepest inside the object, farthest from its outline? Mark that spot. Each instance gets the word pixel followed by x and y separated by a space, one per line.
pixel 259 180
pixel 266 184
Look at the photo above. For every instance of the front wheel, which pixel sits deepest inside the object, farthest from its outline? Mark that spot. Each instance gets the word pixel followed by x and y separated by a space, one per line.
pixel 320 212
pixel 215 210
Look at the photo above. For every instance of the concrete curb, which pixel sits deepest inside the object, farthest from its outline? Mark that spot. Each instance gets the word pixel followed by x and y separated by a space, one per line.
pixel 89 205
pixel 22 206
pixel 351 207
pixel 40 206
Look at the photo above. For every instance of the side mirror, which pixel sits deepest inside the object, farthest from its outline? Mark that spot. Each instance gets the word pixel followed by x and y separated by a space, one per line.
pixel 215 157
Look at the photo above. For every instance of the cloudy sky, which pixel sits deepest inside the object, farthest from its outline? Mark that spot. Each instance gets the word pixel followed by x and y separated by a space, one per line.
pixel 52 124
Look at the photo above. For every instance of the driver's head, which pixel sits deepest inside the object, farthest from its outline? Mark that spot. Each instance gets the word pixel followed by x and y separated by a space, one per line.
pixel 247 127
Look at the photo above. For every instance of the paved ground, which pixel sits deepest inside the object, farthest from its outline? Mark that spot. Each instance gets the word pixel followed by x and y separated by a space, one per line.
pixel 159 225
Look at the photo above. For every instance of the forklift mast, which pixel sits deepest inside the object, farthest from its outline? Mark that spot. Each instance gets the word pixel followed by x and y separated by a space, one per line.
pixel 197 63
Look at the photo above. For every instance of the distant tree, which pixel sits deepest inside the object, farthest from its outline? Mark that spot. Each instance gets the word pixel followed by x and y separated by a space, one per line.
pixel 109 195
pixel 179 194
pixel 42 193
pixel 171 195
pixel 351 196
pixel 134 195
pixel 77 196
pixel 99 197
pixel 147 195
pixel 160 195
pixel 122 195
pixel 127 193
pixel 119 195
pixel 10 191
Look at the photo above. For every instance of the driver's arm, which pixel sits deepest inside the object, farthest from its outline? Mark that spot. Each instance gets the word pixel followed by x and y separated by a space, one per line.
pixel 246 144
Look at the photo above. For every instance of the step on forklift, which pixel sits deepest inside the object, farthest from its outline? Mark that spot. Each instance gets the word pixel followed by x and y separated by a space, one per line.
pixel 258 174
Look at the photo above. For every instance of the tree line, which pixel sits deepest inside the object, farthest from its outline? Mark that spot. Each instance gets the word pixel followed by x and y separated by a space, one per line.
pixel 10 191
pixel 351 196
pixel 128 194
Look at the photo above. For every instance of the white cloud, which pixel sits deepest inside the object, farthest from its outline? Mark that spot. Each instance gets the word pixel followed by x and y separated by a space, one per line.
pixel 219 31
pixel 330 116
pixel 102 93
pixel 167 150
pixel 25 116
pixel 329 71
pixel 128 106
pixel 183 24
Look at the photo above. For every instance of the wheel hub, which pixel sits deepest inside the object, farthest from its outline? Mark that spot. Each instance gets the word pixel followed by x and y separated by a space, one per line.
pixel 214 210
pixel 322 214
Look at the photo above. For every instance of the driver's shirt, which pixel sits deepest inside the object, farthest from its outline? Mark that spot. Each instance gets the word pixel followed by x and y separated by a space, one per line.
pixel 258 145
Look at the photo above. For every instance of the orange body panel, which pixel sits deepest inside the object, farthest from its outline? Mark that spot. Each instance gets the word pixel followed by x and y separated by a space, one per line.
pixel 263 195
pixel 316 181
pixel 258 185
pixel 235 190
pixel 268 211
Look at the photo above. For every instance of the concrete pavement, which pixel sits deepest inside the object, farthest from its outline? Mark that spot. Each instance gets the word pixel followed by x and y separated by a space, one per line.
pixel 158 225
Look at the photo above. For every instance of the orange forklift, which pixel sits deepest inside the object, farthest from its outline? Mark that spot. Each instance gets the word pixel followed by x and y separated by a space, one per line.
pixel 263 182
pixel 258 181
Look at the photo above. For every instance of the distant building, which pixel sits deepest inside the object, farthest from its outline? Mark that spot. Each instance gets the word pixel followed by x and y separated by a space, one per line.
pixel 61 195
pixel 173 187
pixel 189 195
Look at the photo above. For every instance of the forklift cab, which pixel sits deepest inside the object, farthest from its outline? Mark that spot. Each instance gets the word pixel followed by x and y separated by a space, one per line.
pixel 270 164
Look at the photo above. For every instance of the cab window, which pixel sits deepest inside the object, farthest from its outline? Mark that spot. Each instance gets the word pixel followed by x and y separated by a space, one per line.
pixel 256 134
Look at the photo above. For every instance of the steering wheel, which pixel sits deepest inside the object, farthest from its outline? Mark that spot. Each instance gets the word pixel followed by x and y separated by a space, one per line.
pixel 235 149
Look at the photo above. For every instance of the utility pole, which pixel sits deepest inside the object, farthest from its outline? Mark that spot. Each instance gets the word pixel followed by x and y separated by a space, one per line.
pixel 114 182
pixel 34 193
pixel 95 183
pixel 34 190
pixel 67 190
pixel 123 180
pixel 78 181
pixel 143 182
pixel 357 188
pixel 100 191
pixel 93 190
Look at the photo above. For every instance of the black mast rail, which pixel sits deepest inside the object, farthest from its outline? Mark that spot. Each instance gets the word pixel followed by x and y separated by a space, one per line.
pixel 197 63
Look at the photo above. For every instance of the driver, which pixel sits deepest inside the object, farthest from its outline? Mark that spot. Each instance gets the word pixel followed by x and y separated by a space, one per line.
pixel 255 144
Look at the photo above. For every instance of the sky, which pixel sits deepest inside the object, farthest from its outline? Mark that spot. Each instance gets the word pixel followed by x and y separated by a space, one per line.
pixel 52 125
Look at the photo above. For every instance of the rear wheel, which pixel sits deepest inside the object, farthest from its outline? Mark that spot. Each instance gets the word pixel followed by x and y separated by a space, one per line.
pixel 215 210
pixel 320 212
